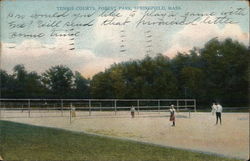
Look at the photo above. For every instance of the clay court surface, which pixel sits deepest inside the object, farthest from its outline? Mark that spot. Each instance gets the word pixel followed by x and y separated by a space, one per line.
pixel 198 132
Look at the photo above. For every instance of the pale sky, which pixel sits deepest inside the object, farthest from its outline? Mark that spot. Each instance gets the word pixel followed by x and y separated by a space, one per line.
pixel 97 47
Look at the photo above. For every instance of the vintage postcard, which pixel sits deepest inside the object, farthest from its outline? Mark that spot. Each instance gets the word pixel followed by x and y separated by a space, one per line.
pixel 124 80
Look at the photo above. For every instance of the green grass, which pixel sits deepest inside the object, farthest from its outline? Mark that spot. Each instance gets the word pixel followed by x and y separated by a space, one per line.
pixel 26 142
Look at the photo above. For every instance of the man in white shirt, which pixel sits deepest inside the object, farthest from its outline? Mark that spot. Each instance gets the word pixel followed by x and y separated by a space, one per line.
pixel 218 112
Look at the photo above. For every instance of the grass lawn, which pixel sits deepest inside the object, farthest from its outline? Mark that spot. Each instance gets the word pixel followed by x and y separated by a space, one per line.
pixel 26 142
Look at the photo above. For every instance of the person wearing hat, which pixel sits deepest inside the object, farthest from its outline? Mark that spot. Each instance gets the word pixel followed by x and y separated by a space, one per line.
pixel 172 114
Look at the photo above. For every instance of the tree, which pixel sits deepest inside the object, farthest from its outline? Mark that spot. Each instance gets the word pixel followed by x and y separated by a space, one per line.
pixel 147 78
pixel 59 80
pixel 119 84
pixel 33 86
pixel 218 71
pixel 225 68
pixel 165 82
pixel 20 76
pixel 81 86
pixel 101 86
pixel 192 79
pixel 21 84
pixel 20 73
pixel 6 84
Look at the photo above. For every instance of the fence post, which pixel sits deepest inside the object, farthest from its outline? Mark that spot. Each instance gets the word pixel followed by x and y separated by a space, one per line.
pixel 138 105
pixel 195 105
pixel 177 105
pixel 89 107
pixel 115 107
pixel 2 107
pixel 29 106
pixel 70 114
pixel 0 110
pixel 159 105
pixel 61 107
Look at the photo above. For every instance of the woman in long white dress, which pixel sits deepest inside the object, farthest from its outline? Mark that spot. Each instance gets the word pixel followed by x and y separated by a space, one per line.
pixel 172 115
pixel 213 108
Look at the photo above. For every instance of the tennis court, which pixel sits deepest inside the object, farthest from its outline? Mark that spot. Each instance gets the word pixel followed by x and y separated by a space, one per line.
pixel 196 131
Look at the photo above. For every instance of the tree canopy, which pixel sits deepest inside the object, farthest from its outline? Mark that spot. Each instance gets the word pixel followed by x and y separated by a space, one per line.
pixel 217 72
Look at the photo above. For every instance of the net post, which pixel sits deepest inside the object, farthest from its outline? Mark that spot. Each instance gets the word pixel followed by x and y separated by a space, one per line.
pixel 138 105
pixel 89 107
pixel 115 107
pixel 61 107
pixel 29 106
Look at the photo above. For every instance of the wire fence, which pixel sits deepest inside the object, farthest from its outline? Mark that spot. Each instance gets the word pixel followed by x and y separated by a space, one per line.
pixel 90 107
pixel 226 109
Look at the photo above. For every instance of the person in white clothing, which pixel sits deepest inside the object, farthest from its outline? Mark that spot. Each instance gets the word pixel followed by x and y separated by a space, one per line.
pixel 213 108
pixel 132 110
pixel 218 112
pixel 172 115
pixel 72 110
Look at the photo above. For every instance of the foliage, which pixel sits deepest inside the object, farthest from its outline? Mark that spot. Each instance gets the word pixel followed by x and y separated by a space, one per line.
pixel 59 80
pixel 217 72
pixel 56 82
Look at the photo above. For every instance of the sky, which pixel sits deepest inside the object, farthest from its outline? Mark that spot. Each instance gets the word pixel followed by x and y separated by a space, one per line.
pixel 98 46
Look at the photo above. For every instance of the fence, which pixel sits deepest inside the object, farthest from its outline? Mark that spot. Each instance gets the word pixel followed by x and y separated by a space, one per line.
pixel 64 107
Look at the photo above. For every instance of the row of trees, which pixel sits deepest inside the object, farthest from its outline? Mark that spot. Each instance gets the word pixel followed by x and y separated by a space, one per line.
pixel 57 82
pixel 219 71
